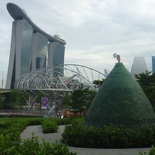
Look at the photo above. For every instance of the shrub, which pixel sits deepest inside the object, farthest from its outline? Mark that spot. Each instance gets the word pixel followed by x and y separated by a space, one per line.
pixel 63 121
pixel 33 147
pixel 49 126
pixel 151 152
pixel 107 137
pixel 4 124
pixel 11 144
pixel 35 121
pixel 9 141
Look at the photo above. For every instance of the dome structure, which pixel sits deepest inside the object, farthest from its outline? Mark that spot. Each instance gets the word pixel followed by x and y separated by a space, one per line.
pixel 120 101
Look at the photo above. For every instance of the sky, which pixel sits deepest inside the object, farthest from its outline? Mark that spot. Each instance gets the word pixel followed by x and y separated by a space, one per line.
pixel 93 29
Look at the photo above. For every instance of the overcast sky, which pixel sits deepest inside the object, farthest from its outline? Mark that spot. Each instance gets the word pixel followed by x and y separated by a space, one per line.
pixel 93 30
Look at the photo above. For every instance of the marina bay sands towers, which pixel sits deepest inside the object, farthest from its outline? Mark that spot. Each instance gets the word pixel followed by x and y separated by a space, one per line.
pixel 31 47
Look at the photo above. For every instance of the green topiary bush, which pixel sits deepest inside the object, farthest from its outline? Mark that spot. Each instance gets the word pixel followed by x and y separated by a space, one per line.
pixel 107 137
pixel 49 126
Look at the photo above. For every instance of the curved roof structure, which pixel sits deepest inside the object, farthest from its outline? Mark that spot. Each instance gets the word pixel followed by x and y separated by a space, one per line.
pixel 65 77
pixel 17 13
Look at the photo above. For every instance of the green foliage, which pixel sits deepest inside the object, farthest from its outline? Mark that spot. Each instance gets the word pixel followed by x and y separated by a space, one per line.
pixel 4 125
pixel 35 121
pixel 77 120
pixel 107 137
pixel 49 126
pixel 40 95
pixel 151 152
pixel 63 121
pixel 142 153
pixel 9 141
pixel 98 82
pixel 16 99
pixel 11 144
pixel 147 82
pixel 79 100
pixel 33 147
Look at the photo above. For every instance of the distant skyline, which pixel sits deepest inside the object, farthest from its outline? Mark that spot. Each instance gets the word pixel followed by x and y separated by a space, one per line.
pixel 93 30
pixel 138 66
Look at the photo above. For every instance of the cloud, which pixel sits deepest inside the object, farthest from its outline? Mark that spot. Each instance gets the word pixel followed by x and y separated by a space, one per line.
pixel 93 29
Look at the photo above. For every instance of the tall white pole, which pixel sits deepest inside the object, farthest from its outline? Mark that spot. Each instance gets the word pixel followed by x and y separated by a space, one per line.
pixel 2 78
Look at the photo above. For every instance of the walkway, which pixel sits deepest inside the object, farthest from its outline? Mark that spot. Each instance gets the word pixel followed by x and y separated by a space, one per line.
pixel 53 137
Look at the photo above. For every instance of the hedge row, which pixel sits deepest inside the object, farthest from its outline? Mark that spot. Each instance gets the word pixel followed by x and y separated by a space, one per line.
pixel 79 135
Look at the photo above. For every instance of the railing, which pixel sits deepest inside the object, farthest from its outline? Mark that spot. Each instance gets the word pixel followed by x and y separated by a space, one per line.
pixel 7 113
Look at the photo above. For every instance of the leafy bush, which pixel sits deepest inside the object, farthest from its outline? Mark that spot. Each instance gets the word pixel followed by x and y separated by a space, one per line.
pixel 11 144
pixel 35 121
pixel 107 137
pixel 9 141
pixel 4 124
pixel 63 121
pixel 49 126
pixel 151 152
pixel 33 147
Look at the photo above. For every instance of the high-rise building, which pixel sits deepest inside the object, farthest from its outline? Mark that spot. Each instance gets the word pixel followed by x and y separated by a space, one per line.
pixel 153 64
pixel 39 51
pixel 31 47
pixel 138 66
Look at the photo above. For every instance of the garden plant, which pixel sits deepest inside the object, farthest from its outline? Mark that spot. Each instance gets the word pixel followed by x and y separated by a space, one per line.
pixel 11 144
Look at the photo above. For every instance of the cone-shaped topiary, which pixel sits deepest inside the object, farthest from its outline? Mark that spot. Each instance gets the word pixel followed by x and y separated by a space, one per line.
pixel 120 101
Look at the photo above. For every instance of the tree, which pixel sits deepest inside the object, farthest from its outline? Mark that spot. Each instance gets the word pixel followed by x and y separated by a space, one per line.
pixel 16 99
pixel 38 99
pixel 144 79
pixel 147 82
pixel 98 82
pixel 79 100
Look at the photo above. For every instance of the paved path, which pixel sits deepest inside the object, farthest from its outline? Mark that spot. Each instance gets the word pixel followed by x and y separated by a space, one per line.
pixel 53 137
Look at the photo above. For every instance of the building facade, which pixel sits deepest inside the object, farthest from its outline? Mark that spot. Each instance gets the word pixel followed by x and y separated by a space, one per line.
pixel 153 64
pixel 31 47
pixel 139 66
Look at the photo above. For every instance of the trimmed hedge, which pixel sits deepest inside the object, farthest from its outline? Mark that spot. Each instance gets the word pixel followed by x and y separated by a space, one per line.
pixel 107 137
pixel 49 126
pixel 63 121
pixel 35 121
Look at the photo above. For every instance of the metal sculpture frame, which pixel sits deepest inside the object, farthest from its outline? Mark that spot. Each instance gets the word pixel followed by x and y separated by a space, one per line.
pixel 54 81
